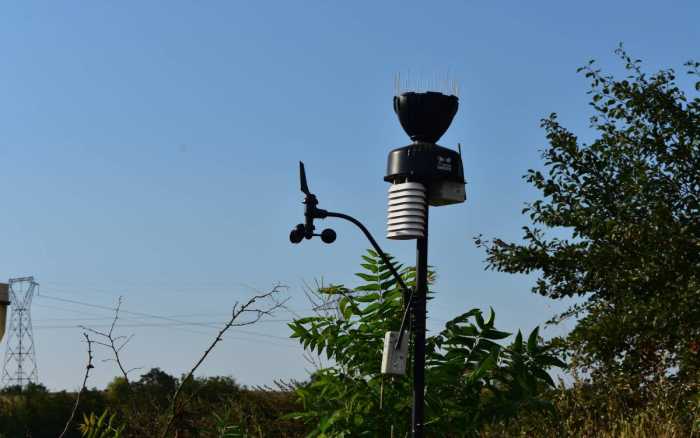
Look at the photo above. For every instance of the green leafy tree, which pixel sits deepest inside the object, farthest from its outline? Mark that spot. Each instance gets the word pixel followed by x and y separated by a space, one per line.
pixel 618 225
pixel 158 384
pixel 471 377
pixel 36 412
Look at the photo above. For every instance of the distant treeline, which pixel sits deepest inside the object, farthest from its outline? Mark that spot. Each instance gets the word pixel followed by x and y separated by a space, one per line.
pixel 217 406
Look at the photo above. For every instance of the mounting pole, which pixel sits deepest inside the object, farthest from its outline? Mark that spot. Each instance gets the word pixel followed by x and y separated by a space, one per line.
pixel 422 174
pixel 419 319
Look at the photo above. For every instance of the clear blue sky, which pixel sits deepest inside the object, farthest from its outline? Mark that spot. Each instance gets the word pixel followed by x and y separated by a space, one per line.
pixel 149 150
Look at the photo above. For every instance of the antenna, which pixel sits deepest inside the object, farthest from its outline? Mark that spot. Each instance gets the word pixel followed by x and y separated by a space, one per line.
pixel 19 367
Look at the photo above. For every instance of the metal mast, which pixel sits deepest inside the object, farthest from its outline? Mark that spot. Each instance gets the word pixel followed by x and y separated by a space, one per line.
pixel 19 366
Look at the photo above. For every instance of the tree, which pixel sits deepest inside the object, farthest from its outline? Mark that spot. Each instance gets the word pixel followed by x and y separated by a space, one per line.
pixel 158 385
pixel 629 206
pixel 471 377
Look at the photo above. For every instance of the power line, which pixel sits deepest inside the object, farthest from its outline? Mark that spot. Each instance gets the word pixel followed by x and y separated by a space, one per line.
pixel 144 318
pixel 63 309
pixel 164 318
pixel 128 325
pixel 110 317
pixel 168 324
pixel 171 326
pixel 165 287
pixel 112 309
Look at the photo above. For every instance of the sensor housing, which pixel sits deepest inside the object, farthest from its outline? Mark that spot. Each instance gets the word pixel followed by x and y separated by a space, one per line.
pixel 434 170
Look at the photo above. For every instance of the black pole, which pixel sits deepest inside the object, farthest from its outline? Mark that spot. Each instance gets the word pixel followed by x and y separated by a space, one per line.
pixel 419 317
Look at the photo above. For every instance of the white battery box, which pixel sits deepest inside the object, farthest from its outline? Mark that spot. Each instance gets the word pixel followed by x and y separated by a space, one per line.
pixel 394 359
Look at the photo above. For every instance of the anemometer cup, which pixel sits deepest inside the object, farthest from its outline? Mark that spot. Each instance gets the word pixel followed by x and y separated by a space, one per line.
pixel 297 234
pixel 328 236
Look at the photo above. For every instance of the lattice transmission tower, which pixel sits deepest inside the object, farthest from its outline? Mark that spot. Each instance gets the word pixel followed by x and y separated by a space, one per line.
pixel 19 367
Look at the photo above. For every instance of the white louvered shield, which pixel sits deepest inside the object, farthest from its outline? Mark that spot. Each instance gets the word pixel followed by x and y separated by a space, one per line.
pixel 406 217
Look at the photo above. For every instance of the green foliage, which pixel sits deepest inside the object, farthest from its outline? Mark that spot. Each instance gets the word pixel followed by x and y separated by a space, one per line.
pixel 609 410
pixel 471 377
pixel 629 203
pixel 224 429
pixel 36 412
pixel 100 427
pixel 217 407
pixel 256 412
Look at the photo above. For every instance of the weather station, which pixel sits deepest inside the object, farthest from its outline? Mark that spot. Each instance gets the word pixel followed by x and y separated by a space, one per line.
pixel 422 174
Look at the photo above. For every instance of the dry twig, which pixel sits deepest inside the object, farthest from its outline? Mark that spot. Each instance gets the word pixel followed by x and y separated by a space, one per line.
pixel 114 343
pixel 83 388
pixel 237 311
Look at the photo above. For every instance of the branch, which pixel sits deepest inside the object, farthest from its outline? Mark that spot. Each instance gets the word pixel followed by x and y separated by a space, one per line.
pixel 247 308
pixel 116 344
pixel 83 388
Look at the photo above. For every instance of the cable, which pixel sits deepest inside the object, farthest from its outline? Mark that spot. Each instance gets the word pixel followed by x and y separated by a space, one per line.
pixel 126 318
pixel 109 318
pixel 188 315
pixel 63 309
pixel 164 318
pixel 113 309
pixel 122 290
pixel 170 325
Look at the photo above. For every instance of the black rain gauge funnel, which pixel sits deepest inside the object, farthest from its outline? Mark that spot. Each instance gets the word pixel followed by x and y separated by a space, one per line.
pixel 425 116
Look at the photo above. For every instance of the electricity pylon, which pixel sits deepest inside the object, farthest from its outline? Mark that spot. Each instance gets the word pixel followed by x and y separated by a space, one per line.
pixel 19 367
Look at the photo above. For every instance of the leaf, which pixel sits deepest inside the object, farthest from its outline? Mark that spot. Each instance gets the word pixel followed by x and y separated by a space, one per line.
pixel 492 317
pixel 367 277
pixel 551 361
pixel 368 287
pixel 494 334
pixel 371 308
pixel 518 343
pixel 345 309
pixel 543 375
pixel 532 340
pixel 488 364
pixel 367 298
pixel 306 320
pixel 465 316
pixel 480 320
pixel 372 267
